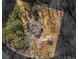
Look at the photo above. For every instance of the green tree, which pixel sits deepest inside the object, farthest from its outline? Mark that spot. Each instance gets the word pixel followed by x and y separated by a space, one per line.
pixel 13 30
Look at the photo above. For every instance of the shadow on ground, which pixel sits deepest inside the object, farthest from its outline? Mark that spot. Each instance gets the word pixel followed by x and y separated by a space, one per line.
pixel 10 54
pixel 7 8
